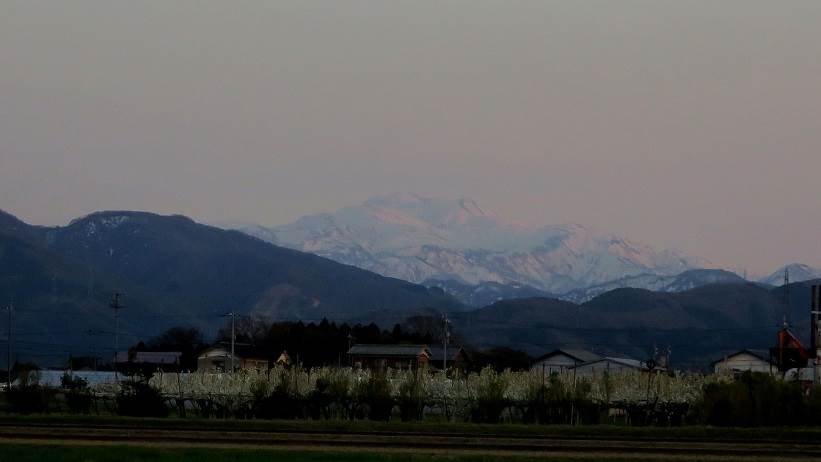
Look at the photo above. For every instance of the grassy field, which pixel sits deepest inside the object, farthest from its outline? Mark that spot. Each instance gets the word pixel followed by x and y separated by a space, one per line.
pixel 798 434
pixel 94 438
pixel 71 453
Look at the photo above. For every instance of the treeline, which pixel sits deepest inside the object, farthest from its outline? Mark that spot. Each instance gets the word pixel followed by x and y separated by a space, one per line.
pixel 750 400
pixel 314 344
pixel 758 399
pixel 322 344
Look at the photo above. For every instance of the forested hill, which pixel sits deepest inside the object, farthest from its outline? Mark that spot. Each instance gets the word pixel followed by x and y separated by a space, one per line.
pixel 697 325
pixel 172 271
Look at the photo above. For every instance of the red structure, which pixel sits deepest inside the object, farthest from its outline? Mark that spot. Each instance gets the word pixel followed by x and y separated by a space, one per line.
pixel 789 353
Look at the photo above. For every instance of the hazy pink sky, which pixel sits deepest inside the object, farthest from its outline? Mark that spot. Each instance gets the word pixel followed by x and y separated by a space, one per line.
pixel 688 124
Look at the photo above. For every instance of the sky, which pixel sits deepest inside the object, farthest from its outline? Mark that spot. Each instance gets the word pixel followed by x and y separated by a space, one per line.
pixel 693 125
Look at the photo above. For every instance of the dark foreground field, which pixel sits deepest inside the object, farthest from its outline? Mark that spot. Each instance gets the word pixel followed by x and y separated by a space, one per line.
pixel 116 439
pixel 73 453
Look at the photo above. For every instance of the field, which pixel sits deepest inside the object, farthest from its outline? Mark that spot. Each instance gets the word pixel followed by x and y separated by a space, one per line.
pixel 71 453
pixel 122 439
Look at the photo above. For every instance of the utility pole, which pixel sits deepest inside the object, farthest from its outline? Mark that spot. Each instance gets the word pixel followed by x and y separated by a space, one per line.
pixel 9 308
pixel 786 297
pixel 350 345
pixel 116 306
pixel 233 337
pixel 445 340
pixel 815 333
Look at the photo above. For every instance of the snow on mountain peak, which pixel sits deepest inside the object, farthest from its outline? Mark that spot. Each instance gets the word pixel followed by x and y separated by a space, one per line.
pixel 417 238
pixel 798 272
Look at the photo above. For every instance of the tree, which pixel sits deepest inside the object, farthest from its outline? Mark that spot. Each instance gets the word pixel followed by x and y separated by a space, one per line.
pixel 186 340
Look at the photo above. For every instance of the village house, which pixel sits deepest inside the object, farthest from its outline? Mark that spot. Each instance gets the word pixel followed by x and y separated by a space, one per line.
pixel 745 360
pixel 457 358
pixel 218 359
pixel 562 360
pixel 284 359
pixel 167 361
pixel 611 365
pixel 381 357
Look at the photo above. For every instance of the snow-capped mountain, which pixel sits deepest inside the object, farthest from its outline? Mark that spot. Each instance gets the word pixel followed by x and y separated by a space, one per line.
pixel 798 273
pixel 486 293
pixel 416 239
pixel 660 283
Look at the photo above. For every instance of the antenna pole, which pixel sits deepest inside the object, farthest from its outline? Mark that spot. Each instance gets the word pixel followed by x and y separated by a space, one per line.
pixel 445 339
pixel 233 336
pixel 786 297
pixel 116 306
pixel 350 343
pixel 815 332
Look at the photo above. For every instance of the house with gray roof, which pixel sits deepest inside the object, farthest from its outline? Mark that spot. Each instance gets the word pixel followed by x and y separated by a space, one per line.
pixel 562 360
pixel 159 358
pixel 381 357
pixel 609 365
pixel 746 360
pixel 457 357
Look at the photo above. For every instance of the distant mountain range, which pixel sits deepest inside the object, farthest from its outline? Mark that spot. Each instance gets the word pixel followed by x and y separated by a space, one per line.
pixel 687 280
pixel 173 271
pixel 698 325
pixel 486 293
pixel 418 239
pixel 798 272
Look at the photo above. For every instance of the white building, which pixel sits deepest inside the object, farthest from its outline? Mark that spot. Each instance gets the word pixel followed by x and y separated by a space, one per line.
pixel 53 378
pixel 745 360
pixel 219 359
pixel 611 366
pixel 562 360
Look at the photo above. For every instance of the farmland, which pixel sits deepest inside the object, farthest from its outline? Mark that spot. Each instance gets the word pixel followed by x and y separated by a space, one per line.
pixel 96 438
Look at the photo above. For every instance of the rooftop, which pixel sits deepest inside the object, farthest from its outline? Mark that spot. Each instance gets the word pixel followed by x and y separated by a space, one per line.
pixel 148 357
pixel 583 356
pixel 388 350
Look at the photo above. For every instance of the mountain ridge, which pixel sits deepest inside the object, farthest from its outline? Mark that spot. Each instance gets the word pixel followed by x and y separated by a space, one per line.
pixel 417 239
pixel 176 271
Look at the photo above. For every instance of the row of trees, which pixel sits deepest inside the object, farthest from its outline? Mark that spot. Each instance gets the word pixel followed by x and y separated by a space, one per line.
pixel 752 399
pixel 319 344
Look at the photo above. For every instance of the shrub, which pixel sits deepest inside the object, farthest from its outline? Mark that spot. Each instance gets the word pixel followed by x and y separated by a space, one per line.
pixel 490 396
pixel 78 396
pixel 412 398
pixel 755 399
pixel 320 400
pixel 283 402
pixel 375 393
pixel 554 402
pixel 29 399
pixel 138 399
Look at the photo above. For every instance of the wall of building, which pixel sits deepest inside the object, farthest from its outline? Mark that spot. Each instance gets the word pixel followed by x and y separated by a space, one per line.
pixel 557 363
pixel 743 362
pixel 600 367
